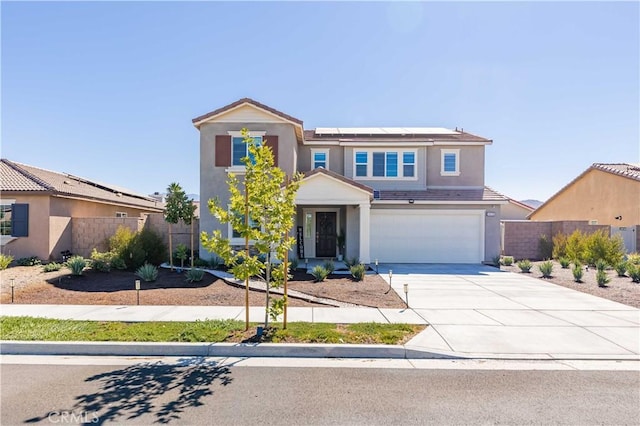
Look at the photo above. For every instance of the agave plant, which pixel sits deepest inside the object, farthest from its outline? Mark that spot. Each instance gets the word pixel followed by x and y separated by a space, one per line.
pixel 147 272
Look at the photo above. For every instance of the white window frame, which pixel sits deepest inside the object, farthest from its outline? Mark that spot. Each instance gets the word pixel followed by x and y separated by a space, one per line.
pixel 315 151
pixel 456 152
pixel 386 151
pixel 238 134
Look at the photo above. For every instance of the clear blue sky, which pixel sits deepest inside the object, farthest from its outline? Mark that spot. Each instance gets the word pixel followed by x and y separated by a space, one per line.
pixel 107 91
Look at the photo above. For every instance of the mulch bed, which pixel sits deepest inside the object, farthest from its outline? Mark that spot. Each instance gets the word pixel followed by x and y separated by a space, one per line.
pixel 32 286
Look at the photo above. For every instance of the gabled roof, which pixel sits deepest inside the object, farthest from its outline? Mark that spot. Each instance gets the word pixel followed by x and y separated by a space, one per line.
pixel 486 194
pixel 244 101
pixel 625 170
pixel 17 177
pixel 337 176
pixel 512 201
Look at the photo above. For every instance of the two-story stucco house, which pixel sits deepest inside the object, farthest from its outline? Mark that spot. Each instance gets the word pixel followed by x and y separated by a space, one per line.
pixel 398 194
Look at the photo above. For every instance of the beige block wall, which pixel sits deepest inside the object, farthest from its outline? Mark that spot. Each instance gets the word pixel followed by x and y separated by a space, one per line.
pixel 597 196
pixel 522 237
pixel 94 232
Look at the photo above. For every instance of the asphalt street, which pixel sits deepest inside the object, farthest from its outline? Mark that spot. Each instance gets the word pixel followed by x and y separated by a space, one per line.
pixel 202 391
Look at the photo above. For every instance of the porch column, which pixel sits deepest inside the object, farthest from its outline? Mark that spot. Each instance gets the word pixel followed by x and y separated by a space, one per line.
pixel 364 232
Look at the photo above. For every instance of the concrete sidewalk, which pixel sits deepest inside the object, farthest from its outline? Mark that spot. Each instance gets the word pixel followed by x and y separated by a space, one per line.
pixel 473 311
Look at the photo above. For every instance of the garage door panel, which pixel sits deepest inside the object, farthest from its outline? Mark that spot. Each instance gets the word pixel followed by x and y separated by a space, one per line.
pixel 428 236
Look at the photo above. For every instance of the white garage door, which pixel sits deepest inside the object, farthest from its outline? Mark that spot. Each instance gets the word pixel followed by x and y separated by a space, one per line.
pixel 427 236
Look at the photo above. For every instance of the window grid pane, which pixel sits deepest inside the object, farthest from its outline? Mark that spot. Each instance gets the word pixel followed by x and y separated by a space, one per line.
pixel 378 164
pixel 450 162
pixel 239 151
pixel 408 160
pixel 361 164
pixel 392 164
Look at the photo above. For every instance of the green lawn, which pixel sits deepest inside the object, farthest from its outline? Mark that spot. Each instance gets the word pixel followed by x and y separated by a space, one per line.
pixel 232 331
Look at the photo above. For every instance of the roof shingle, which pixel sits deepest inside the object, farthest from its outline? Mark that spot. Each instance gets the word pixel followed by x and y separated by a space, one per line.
pixel 17 177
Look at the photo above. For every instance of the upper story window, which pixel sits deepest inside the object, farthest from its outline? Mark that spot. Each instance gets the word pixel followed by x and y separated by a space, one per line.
pixel 450 162
pixel 121 214
pixel 320 158
pixel 240 149
pixel 385 164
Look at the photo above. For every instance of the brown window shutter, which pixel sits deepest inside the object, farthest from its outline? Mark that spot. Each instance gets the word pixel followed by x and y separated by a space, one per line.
pixel 272 142
pixel 223 150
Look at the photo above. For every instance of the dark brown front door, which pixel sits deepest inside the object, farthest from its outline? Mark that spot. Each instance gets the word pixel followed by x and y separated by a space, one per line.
pixel 325 234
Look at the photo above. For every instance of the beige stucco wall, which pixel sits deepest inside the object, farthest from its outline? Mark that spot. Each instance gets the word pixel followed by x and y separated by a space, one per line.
pixel 513 212
pixel 213 179
pixel 70 207
pixel 471 167
pixel 597 196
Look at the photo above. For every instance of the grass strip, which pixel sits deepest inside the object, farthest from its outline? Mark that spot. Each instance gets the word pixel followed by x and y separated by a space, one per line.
pixel 213 331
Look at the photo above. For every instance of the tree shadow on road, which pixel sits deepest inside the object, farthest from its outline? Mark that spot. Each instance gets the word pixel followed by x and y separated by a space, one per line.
pixel 157 389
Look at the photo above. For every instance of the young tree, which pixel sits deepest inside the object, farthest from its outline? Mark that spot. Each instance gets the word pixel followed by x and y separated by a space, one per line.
pixel 262 210
pixel 178 206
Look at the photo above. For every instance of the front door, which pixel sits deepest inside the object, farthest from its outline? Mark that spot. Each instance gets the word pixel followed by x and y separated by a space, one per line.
pixel 326 234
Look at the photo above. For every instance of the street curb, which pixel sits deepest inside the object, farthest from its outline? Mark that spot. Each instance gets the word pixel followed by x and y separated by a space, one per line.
pixel 240 350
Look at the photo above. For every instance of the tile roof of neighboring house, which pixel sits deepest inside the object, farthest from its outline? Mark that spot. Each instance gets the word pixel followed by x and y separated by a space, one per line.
pixel 631 171
pixel 246 101
pixel 627 170
pixel 453 195
pixel 451 136
pixel 17 177
pixel 322 170
pixel 512 201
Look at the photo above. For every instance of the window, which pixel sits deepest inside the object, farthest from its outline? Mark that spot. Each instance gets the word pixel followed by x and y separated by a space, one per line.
pixel 320 158
pixel 450 164
pixel 408 164
pixel 236 234
pixel 5 219
pixel 121 214
pixel 239 149
pixel 14 220
pixel 361 164
pixel 386 164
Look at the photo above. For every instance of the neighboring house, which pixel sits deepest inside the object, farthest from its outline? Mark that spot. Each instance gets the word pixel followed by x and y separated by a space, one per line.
pixel 399 194
pixel 515 210
pixel 604 194
pixel 37 207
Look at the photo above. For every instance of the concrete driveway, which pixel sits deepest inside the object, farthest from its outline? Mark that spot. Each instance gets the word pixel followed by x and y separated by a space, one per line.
pixel 483 312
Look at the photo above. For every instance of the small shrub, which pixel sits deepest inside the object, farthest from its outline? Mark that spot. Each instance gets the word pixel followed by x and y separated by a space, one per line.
pixel 293 264
pixel 101 261
pixel 118 263
pixel 602 278
pixel 621 269
pixel 601 265
pixel 545 247
pixel 358 272
pixel 319 273
pixel 525 265
pixel 546 268
pixel 181 253
pixel 52 266
pixel 575 246
pixel 194 275
pixel 351 262
pixel 564 262
pixel 215 262
pixel 200 263
pixel 578 272
pixel 633 258
pixel 559 246
pixel 77 265
pixel 633 271
pixel 147 272
pixel 120 241
pixel 599 246
pixel 496 261
pixel 5 261
pixel 507 260
pixel 28 261
pixel 329 266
